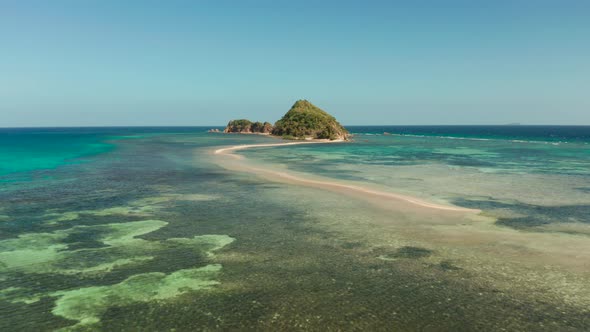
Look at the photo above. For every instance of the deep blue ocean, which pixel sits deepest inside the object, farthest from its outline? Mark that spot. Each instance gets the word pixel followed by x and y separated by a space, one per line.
pixel 520 132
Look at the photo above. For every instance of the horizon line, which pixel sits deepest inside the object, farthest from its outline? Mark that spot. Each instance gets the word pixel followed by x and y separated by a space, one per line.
pixel 354 125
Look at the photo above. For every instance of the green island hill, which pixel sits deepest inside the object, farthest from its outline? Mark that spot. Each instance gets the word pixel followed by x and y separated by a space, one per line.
pixel 304 121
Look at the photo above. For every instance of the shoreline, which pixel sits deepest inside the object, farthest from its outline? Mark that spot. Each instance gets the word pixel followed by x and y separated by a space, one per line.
pixel 223 151
pixel 326 184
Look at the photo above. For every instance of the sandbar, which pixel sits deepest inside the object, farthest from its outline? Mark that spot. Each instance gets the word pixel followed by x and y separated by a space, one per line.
pixel 333 185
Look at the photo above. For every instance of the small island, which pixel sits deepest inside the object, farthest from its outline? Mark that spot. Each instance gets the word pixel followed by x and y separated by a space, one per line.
pixel 244 126
pixel 304 121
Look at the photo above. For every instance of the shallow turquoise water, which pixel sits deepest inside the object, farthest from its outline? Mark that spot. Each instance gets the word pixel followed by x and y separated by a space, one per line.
pixel 538 181
pixel 140 229
pixel 497 154
pixel 25 151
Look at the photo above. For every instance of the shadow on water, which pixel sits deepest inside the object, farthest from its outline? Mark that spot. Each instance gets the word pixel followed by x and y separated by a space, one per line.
pixel 584 189
pixel 531 216
pixel 408 252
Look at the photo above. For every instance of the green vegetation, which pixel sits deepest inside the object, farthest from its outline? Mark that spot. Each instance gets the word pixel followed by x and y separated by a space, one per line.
pixel 259 127
pixel 306 120
pixel 238 126
pixel 247 126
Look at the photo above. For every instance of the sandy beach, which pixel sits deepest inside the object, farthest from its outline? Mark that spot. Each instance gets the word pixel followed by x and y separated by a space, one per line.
pixel 326 184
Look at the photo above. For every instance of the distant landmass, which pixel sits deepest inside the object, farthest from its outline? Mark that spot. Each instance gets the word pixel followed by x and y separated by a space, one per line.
pixel 303 121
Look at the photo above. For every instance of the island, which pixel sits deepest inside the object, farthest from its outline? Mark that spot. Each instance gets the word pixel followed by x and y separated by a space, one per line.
pixel 304 121
pixel 244 126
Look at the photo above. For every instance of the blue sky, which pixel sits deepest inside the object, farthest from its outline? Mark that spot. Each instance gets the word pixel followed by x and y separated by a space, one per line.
pixel 84 63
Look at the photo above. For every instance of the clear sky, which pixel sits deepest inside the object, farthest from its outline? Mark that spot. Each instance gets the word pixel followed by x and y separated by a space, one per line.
pixel 85 63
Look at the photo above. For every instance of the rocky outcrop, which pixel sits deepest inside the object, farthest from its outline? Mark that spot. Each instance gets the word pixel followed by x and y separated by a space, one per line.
pixel 262 128
pixel 245 126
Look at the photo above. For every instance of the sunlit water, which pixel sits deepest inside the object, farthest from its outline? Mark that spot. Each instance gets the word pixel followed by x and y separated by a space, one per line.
pixel 140 229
